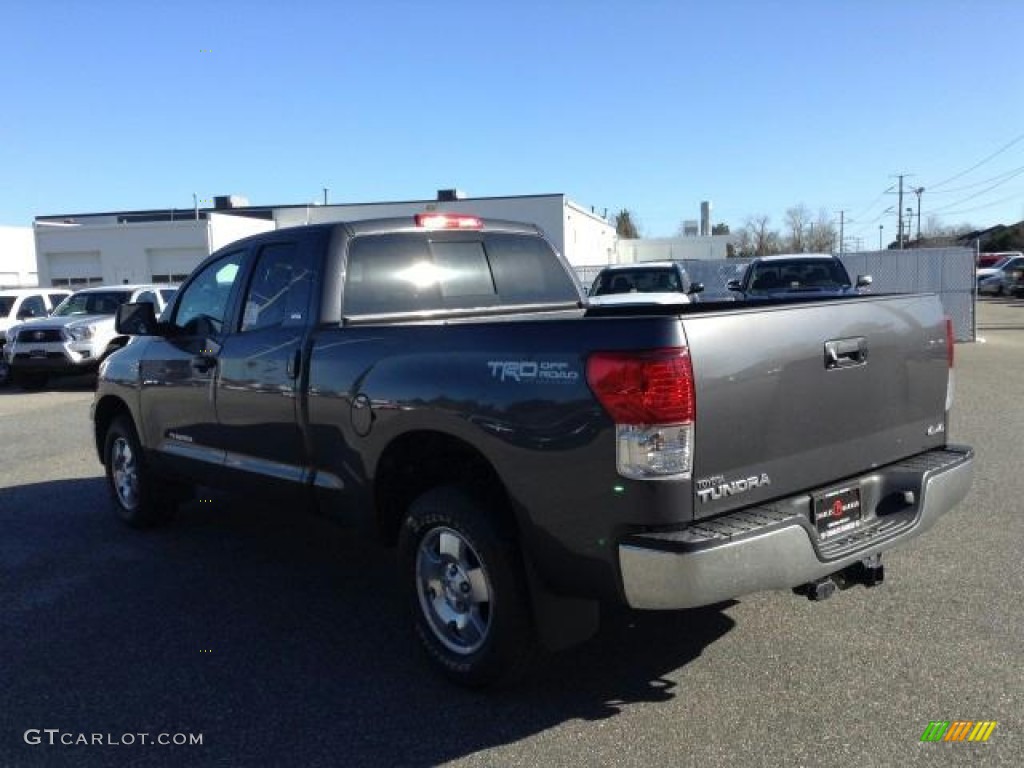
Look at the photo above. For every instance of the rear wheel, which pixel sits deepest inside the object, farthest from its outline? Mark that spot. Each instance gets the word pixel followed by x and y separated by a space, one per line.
pixel 141 498
pixel 466 588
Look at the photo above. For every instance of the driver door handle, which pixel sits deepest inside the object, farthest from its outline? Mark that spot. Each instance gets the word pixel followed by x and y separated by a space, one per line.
pixel 295 364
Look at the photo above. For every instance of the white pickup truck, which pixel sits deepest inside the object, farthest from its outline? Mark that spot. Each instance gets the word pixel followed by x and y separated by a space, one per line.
pixel 24 304
pixel 77 336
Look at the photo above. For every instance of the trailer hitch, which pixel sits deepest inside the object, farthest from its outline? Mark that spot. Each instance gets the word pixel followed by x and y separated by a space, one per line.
pixel 869 572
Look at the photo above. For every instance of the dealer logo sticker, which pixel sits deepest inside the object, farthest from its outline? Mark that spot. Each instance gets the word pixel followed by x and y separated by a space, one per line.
pixel 958 730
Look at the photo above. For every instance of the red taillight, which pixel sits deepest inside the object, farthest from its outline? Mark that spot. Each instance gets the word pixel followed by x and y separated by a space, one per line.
pixel 649 387
pixel 448 221
pixel 949 341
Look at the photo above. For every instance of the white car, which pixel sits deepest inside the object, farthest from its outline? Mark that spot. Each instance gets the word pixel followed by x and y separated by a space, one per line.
pixel 24 304
pixel 1003 280
pixel 650 282
pixel 1009 260
pixel 77 336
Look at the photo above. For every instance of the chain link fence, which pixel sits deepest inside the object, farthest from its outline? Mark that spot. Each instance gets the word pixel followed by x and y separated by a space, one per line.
pixel 948 272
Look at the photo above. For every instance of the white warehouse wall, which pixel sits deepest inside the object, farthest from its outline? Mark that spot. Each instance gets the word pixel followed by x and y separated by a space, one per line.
pixel 552 213
pixel 672 248
pixel 588 238
pixel 226 229
pixel 133 252
pixel 17 258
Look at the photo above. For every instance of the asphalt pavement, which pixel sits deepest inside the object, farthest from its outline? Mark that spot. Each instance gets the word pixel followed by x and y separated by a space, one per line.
pixel 279 639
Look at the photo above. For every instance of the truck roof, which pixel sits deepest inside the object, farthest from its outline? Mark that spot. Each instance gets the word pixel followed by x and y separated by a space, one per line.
pixel 795 256
pixel 641 265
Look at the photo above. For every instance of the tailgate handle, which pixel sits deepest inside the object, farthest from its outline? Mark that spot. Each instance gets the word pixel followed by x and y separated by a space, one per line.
pixel 846 353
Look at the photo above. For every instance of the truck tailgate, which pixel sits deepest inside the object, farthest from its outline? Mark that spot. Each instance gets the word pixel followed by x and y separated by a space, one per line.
pixel 798 396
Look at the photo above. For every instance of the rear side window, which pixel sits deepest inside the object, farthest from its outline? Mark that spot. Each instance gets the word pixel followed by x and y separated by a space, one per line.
pixel 410 273
pixel 280 289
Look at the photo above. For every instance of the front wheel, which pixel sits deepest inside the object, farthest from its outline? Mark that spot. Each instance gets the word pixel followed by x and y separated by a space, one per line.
pixel 466 588
pixel 139 496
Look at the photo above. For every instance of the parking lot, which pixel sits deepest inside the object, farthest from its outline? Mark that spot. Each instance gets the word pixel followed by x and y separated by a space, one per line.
pixel 280 638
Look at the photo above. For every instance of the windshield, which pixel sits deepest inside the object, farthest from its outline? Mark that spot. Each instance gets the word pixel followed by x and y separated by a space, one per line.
pixel 92 303
pixel 799 274
pixel 642 280
pixel 6 302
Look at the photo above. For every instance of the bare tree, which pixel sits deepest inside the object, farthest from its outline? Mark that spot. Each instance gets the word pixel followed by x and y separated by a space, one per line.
pixel 822 236
pixel 759 239
pixel 797 221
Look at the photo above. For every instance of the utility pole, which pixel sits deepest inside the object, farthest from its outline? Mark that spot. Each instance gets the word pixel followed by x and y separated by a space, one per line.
pixel 899 211
pixel 899 215
pixel 918 191
pixel 842 221
pixel 880 228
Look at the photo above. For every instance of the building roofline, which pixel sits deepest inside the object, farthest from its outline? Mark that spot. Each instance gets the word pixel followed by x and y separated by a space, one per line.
pixel 185 213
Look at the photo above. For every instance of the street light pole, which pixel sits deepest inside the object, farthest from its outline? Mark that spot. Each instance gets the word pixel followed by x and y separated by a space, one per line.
pixel 880 228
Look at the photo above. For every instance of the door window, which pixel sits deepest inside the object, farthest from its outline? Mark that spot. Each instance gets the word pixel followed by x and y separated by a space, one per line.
pixel 280 289
pixel 204 302
pixel 32 306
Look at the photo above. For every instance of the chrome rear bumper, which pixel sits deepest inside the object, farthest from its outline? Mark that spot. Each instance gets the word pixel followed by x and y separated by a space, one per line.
pixel 775 547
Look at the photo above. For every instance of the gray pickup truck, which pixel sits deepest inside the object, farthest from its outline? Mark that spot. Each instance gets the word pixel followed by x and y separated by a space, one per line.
pixel 532 457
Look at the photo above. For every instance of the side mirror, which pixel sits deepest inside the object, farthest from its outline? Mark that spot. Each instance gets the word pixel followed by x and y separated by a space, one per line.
pixel 863 281
pixel 136 319
pixel 696 287
pixel 733 285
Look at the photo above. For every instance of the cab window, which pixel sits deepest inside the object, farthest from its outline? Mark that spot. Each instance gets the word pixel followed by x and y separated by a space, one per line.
pixel 32 306
pixel 203 306
pixel 280 289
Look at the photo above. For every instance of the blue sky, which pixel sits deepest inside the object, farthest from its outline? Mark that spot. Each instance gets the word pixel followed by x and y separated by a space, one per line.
pixel 654 106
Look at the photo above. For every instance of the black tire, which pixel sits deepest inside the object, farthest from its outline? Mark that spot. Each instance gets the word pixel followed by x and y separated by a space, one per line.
pixel 31 382
pixel 463 578
pixel 141 499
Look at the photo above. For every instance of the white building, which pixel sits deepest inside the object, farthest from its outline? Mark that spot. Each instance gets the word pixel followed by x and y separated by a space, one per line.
pixel 164 246
pixel 17 258
pixel 673 248
pixel 582 236
pixel 97 249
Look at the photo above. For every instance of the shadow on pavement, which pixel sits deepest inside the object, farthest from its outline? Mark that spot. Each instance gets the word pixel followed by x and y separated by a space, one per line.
pixel 84 383
pixel 280 638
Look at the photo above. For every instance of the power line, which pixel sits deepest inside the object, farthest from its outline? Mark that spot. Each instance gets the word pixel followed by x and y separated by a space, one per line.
pixel 979 164
pixel 977 183
pixel 1018 172
pixel 871 205
pixel 1017 196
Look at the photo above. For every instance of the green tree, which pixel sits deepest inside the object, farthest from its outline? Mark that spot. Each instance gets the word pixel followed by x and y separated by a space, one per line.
pixel 720 229
pixel 625 227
